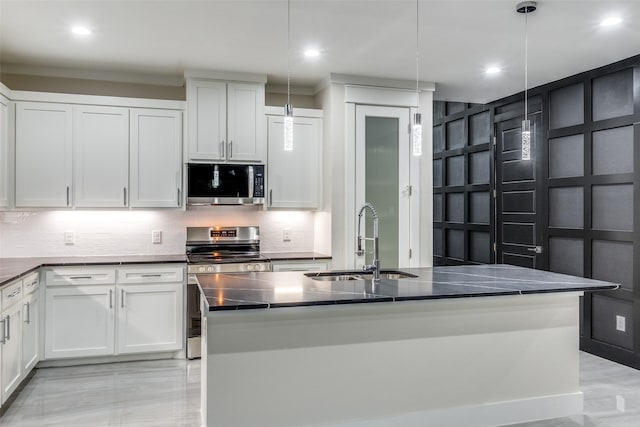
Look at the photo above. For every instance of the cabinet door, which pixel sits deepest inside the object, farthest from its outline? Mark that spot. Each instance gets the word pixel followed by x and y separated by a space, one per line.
pixel 294 176
pixel 156 141
pixel 101 156
pixel 11 350
pixel 245 106
pixel 79 321
pixel 30 332
pixel 4 152
pixel 207 118
pixel 43 154
pixel 150 317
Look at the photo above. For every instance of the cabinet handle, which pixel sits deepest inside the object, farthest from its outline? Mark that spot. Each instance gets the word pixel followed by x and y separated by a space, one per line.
pixel 80 277
pixel 110 298
pixel 178 197
pixel 230 149
pixel 67 195
pixel 222 149
pixel 151 275
pixel 8 327
pixel 271 197
pixel 125 196
pixel 28 310
pixel 122 298
pixel 4 338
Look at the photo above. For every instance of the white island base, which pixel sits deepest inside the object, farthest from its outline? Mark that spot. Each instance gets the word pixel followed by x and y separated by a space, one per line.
pixel 478 361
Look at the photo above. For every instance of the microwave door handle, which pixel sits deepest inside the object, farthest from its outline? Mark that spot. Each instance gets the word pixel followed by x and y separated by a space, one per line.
pixel 251 181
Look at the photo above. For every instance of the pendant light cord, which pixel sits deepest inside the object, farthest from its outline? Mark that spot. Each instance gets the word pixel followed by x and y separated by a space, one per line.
pixel 417 55
pixel 526 62
pixel 288 54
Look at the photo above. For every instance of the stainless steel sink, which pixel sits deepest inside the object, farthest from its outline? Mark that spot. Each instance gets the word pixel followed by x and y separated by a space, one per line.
pixel 338 276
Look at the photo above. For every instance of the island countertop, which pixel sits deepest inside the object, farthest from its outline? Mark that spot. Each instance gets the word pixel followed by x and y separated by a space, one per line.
pixel 238 291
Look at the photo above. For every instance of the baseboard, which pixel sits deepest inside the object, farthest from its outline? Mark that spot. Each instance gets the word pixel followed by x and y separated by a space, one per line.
pixel 486 415
pixel 110 359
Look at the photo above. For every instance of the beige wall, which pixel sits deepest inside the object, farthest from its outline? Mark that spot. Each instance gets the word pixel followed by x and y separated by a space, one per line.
pixel 91 87
pixel 280 99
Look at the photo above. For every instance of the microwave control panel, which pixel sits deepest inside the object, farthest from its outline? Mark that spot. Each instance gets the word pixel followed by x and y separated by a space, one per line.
pixel 258 181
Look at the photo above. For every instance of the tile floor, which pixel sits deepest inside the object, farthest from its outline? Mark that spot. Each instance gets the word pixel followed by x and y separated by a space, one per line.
pixel 167 393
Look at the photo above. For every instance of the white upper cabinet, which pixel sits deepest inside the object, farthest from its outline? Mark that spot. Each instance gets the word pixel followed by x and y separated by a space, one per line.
pixel 207 113
pixel 101 156
pixel 4 152
pixel 245 106
pixel 156 147
pixel 43 154
pixel 294 177
pixel 225 121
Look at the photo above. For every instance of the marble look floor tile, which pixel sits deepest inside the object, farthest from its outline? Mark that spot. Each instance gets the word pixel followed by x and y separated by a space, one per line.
pixel 154 393
pixel 167 393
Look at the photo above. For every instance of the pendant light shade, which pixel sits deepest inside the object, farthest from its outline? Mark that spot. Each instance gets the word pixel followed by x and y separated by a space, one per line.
pixel 526 7
pixel 416 131
pixel 288 108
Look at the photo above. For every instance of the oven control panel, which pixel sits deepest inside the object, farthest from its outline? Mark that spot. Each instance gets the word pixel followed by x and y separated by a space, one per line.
pixel 229 268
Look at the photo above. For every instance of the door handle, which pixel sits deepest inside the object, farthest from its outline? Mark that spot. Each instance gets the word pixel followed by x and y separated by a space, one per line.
pixel 67 195
pixel 230 149
pixel 537 249
pixel 110 298
pixel 122 298
pixel 28 310
pixel 4 338
pixel 270 197
pixel 8 324
pixel 223 149
pixel 125 196
pixel 178 197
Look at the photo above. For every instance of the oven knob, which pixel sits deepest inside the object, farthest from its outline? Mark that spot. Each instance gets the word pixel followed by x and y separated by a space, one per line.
pixel 250 267
pixel 257 267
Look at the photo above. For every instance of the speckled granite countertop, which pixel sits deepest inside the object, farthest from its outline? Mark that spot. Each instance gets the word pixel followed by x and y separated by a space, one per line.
pixel 292 289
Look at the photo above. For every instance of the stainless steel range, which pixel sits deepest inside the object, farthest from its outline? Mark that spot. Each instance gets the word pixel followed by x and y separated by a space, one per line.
pixel 213 250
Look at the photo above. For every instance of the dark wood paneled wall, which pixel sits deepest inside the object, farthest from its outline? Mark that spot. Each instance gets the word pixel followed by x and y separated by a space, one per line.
pixel 588 176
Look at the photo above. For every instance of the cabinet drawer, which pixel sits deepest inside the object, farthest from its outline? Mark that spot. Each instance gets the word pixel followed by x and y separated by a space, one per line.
pixel 80 276
pixel 11 294
pixel 146 274
pixel 30 283
pixel 299 266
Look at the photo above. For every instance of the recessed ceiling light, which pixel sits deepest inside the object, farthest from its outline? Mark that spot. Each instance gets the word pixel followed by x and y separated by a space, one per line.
pixel 492 70
pixel 81 31
pixel 311 53
pixel 614 20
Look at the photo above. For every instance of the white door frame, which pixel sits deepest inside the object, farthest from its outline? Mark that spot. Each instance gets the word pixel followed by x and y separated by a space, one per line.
pixel 363 96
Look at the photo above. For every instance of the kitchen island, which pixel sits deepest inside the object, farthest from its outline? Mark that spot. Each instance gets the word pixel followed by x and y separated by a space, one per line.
pixel 453 346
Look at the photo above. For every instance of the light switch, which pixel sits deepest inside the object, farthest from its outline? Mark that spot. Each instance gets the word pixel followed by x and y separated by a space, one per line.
pixel 69 238
pixel 286 235
pixel 621 324
pixel 620 404
pixel 156 236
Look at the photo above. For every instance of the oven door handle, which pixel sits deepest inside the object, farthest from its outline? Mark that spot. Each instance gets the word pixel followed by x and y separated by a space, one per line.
pixel 250 170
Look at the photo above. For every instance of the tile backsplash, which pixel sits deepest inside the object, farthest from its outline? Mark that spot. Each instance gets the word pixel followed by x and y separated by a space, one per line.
pixel 42 233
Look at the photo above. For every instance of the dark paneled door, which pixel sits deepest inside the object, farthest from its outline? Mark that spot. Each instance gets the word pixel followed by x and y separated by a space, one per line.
pixel 519 196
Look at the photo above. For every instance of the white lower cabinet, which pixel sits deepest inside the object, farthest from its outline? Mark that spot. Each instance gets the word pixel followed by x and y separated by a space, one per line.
pixel 79 321
pixel 301 265
pixel 30 331
pixel 150 317
pixel 138 313
pixel 11 349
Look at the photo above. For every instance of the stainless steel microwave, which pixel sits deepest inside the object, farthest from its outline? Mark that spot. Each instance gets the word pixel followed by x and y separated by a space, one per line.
pixel 225 184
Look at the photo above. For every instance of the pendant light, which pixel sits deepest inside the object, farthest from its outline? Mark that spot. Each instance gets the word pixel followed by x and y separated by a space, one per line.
pixel 288 108
pixel 526 7
pixel 416 143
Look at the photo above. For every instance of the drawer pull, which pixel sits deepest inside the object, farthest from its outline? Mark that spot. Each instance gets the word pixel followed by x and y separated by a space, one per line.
pixel 152 275
pixel 80 277
pixel 14 293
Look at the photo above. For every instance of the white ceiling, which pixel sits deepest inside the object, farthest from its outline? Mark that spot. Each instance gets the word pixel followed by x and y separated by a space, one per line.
pixel 458 39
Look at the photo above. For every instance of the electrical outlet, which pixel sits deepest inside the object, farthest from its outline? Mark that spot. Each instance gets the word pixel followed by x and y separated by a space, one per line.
pixel 69 238
pixel 621 323
pixel 156 236
pixel 286 235
pixel 620 406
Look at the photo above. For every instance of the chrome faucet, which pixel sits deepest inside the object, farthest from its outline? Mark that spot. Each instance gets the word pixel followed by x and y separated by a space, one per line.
pixel 375 265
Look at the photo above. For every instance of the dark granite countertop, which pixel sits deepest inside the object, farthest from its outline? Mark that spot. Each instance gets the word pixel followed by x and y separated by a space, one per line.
pixel 293 289
pixel 14 268
pixel 294 256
